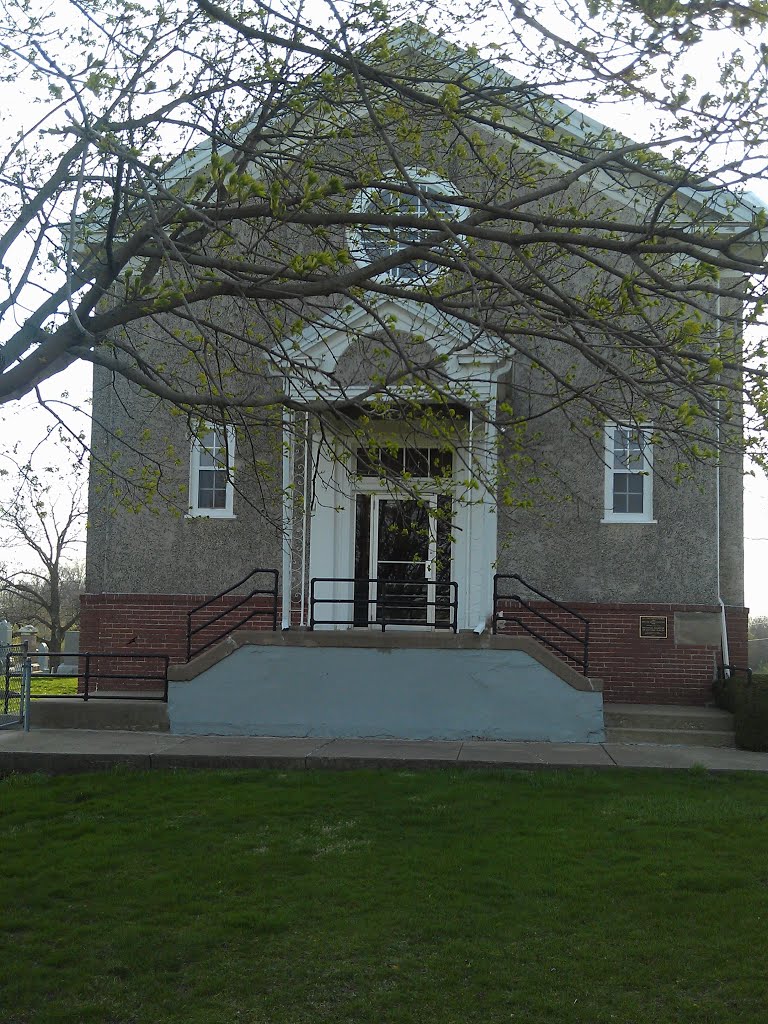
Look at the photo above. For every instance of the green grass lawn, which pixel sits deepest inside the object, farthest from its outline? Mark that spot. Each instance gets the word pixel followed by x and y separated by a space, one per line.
pixel 53 685
pixel 393 898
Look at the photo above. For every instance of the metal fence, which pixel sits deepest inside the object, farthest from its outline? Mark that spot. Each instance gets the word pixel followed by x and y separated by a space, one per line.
pixel 381 603
pixel 99 670
pixel 16 682
pixel 200 635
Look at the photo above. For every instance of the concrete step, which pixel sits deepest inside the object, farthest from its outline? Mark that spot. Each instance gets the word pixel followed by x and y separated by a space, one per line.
pixel 668 723
pixel 666 716
pixel 125 715
pixel 672 737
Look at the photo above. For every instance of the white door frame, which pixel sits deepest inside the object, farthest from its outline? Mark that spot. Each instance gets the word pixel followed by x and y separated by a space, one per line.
pixel 332 538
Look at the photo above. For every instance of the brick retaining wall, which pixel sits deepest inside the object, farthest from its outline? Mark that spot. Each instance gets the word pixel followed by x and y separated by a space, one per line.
pixel 156 623
pixel 634 668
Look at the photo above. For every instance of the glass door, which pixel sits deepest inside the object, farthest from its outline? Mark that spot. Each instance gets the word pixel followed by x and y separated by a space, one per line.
pixel 402 560
pixel 404 545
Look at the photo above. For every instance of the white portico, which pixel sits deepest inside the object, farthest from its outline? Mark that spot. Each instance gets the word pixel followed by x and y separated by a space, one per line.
pixel 388 478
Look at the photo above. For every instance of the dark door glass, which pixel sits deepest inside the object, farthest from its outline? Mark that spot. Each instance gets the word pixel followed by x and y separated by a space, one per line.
pixel 402 557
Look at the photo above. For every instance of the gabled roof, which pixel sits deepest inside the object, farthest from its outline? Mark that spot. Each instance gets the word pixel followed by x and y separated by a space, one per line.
pixel 732 211
pixel 715 196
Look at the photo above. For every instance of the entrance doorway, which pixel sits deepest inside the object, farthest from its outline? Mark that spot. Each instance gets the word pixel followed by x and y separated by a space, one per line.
pixel 402 560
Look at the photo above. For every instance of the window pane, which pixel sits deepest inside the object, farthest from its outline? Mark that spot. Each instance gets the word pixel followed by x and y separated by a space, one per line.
pixel 213 451
pixel 440 462
pixel 635 503
pixel 627 451
pixel 380 241
pixel 362 610
pixel 417 461
pixel 628 492
pixel 212 488
pixel 368 462
pixel 391 461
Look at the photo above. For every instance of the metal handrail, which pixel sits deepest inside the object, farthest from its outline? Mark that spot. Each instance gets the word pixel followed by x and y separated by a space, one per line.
pixel 737 668
pixel 385 604
pixel 272 592
pixel 87 675
pixel 499 615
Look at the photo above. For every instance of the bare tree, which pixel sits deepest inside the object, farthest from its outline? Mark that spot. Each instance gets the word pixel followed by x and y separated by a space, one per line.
pixel 205 182
pixel 41 528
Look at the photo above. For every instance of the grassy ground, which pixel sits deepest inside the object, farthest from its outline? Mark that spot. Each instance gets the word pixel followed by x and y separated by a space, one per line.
pixel 53 685
pixel 394 898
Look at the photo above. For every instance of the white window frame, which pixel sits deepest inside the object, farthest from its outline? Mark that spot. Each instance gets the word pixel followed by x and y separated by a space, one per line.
pixel 195 511
pixel 428 185
pixel 645 469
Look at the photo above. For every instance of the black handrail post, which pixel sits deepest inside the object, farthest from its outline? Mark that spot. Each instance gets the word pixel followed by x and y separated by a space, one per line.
pixel 87 675
pixel 189 636
pixel 586 650
pixel 167 661
pixel 312 583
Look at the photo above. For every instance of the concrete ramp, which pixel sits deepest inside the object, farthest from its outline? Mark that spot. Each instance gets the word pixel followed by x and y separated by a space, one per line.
pixel 400 685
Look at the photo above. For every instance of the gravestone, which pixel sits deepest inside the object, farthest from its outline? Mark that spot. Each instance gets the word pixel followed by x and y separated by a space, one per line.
pixel 69 665
pixel 42 657
pixel 6 637
pixel 28 636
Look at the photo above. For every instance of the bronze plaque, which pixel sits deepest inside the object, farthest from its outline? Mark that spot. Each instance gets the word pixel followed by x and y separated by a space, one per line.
pixel 653 627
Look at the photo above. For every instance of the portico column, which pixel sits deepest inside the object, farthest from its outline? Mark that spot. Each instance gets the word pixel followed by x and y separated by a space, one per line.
pixel 287 523
pixel 481 520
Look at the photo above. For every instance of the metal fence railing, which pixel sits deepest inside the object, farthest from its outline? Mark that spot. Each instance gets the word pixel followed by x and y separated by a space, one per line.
pixel 98 667
pixel 14 696
pixel 382 603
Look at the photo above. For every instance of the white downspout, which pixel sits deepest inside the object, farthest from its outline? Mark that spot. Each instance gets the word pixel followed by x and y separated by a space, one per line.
pixel 723 619
pixel 287 517
pixel 470 531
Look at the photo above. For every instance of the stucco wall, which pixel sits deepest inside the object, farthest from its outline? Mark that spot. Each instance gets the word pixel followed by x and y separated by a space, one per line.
pixel 559 544
pixel 406 694
pixel 149 546
pixel 562 546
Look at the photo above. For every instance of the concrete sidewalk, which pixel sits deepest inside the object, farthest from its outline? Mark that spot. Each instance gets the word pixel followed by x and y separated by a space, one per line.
pixel 61 751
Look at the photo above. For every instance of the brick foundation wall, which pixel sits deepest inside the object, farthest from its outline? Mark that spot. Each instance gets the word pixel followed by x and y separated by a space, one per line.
pixel 633 669
pixel 155 623
pixel 636 669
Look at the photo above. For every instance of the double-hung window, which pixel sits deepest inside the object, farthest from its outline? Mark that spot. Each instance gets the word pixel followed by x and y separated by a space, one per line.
pixel 628 475
pixel 210 476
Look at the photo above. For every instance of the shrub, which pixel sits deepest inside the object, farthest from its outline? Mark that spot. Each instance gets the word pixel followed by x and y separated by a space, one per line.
pixel 724 692
pixel 750 701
